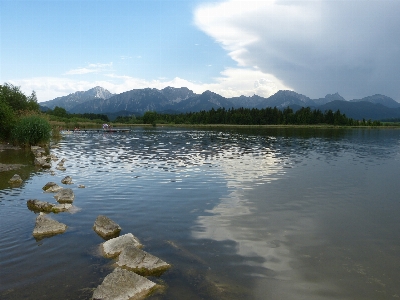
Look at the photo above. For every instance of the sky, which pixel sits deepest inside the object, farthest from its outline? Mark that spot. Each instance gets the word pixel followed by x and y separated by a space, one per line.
pixel 231 47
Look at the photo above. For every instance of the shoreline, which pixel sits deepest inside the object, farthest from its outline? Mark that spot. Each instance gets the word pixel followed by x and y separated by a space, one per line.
pixel 9 167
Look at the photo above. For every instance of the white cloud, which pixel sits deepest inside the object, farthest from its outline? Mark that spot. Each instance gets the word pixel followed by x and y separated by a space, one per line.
pixel 232 82
pixel 91 68
pixel 237 81
pixel 316 47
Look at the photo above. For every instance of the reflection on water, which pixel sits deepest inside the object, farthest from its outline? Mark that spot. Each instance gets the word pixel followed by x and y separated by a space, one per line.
pixel 240 214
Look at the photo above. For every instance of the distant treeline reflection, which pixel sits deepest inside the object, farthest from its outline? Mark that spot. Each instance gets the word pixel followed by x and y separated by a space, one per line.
pixel 246 116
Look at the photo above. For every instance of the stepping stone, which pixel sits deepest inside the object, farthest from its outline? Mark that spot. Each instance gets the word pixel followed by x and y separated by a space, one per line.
pixel 46 226
pixel 62 207
pixel 123 285
pixel 65 196
pixel 114 247
pixel 66 180
pixel 106 228
pixel 141 262
pixel 52 187
pixel 40 206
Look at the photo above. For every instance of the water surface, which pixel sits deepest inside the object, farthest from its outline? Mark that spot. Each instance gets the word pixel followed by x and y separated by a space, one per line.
pixel 240 214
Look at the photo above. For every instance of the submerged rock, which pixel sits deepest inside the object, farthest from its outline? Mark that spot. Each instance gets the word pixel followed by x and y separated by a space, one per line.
pixel 81 186
pixel 40 161
pixel 34 148
pixel 141 262
pixel 52 187
pixel 61 168
pixel 66 180
pixel 61 207
pixel 106 228
pixel 46 226
pixel 40 206
pixel 65 196
pixel 38 151
pixel 123 285
pixel 114 247
pixel 16 179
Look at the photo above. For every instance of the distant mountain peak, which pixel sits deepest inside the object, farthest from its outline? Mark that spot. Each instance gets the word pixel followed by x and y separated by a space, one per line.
pixel 73 99
pixel 380 99
pixel 335 96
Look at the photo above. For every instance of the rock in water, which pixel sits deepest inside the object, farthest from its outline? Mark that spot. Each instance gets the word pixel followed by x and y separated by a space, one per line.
pixel 114 247
pixel 52 187
pixel 46 226
pixel 141 262
pixel 65 196
pixel 40 206
pixel 106 227
pixel 16 179
pixel 61 168
pixel 40 161
pixel 123 285
pixel 66 180
pixel 62 207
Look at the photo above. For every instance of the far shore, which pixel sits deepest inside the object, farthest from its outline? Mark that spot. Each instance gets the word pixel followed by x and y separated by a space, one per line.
pixel 316 126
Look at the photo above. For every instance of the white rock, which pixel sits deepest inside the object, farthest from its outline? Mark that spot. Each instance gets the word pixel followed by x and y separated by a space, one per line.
pixel 114 247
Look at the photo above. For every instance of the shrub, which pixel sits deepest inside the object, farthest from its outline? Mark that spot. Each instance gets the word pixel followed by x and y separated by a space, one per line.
pixel 7 120
pixel 32 130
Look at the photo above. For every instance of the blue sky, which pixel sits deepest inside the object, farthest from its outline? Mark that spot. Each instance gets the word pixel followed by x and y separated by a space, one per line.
pixel 231 47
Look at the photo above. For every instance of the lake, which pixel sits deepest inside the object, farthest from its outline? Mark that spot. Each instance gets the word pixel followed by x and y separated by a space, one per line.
pixel 278 213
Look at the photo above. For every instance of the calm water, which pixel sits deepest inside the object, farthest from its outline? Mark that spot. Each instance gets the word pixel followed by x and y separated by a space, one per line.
pixel 240 214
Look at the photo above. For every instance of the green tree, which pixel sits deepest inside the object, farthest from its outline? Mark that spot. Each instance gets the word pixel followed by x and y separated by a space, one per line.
pixel 59 112
pixel 16 99
pixel 150 117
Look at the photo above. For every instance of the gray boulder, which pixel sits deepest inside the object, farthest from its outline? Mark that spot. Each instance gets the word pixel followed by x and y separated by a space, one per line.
pixel 106 228
pixel 123 285
pixel 66 180
pixel 16 179
pixel 46 226
pixel 52 187
pixel 65 196
pixel 40 206
pixel 141 262
pixel 114 247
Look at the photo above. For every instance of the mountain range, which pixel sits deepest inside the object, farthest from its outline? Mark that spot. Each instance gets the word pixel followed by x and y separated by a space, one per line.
pixel 181 100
